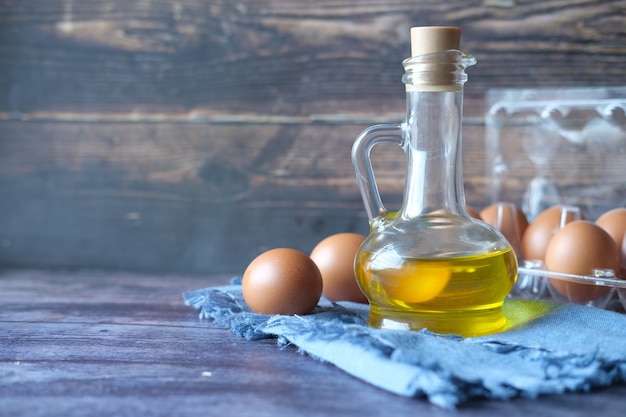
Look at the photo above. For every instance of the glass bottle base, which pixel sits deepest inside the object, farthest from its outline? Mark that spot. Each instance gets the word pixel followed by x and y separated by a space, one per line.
pixel 463 323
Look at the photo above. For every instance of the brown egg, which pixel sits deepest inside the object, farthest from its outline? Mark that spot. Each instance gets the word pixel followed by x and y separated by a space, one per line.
pixel 282 281
pixel 579 248
pixel 539 232
pixel 334 257
pixel 614 222
pixel 508 219
pixel 472 212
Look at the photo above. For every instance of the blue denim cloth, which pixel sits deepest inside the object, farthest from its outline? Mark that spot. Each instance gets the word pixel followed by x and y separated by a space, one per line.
pixel 550 348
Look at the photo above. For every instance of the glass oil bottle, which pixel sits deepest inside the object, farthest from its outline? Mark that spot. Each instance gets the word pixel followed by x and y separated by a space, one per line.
pixel 430 264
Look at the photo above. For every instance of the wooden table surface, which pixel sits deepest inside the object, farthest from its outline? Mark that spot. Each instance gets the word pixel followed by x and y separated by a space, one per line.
pixel 116 344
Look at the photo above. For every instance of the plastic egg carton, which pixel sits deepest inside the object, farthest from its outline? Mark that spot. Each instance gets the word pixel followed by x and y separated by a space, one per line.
pixel 603 289
pixel 560 146
pixel 557 146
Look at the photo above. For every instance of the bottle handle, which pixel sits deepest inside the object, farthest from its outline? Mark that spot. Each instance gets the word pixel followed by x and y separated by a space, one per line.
pixel 361 150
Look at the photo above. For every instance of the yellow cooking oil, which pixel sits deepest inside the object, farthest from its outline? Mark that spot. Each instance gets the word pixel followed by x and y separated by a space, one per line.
pixel 452 295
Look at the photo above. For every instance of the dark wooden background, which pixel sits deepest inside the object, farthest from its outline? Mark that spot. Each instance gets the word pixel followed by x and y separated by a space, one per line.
pixel 188 136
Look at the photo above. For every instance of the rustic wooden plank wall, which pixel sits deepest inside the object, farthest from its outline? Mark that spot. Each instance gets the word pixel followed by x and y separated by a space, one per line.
pixel 187 136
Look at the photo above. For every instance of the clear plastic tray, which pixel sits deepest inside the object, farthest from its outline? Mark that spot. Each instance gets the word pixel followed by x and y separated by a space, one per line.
pixel 550 146
pixel 536 283
pixel 559 146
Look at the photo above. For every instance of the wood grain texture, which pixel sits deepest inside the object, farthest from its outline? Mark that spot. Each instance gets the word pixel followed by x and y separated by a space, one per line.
pixel 188 136
pixel 102 344
pixel 284 58
pixel 191 200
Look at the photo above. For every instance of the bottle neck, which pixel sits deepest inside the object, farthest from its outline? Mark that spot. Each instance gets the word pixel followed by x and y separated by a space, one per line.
pixel 434 92
pixel 434 155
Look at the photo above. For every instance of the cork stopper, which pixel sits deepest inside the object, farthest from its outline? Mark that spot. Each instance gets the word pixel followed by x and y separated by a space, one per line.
pixel 430 39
